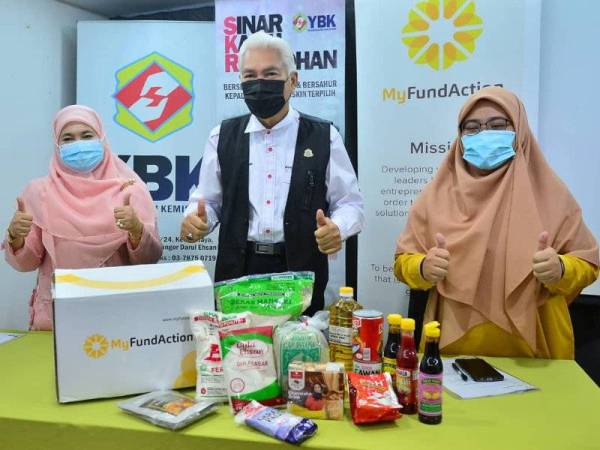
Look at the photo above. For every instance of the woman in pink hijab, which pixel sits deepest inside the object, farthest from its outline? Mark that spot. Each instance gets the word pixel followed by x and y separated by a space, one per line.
pixel 91 210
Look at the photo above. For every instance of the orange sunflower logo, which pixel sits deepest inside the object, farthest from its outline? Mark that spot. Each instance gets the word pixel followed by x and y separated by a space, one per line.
pixel 440 33
pixel 95 346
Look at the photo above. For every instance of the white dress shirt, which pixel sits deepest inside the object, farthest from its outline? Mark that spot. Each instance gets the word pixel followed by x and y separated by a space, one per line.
pixel 271 159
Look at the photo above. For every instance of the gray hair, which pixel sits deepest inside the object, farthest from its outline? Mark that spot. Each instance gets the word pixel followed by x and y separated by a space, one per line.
pixel 260 40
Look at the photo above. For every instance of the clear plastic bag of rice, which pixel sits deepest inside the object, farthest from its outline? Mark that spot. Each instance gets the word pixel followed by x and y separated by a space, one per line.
pixel 167 409
pixel 276 297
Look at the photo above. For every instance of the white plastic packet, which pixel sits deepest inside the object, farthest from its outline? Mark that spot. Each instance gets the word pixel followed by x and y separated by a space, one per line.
pixel 319 320
pixel 210 379
pixel 167 409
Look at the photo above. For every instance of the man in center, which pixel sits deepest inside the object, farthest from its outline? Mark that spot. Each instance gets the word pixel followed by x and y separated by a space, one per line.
pixel 279 182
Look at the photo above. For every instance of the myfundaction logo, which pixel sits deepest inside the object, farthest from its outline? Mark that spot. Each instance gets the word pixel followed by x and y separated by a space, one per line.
pixel 447 90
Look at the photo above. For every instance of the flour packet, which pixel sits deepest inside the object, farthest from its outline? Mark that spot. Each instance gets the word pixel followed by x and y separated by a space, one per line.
pixel 249 366
pixel 210 379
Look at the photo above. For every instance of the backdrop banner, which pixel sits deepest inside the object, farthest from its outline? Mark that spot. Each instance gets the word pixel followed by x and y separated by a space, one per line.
pixel 153 85
pixel 315 31
pixel 417 62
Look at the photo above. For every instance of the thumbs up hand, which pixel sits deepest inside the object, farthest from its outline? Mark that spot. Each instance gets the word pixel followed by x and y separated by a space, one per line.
pixel 195 226
pixel 127 220
pixel 327 234
pixel 434 267
pixel 547 267
pixel 20 226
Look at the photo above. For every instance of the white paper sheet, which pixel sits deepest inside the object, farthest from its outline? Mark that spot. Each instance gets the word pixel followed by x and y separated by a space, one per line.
pixel 6 337
pixel 473 389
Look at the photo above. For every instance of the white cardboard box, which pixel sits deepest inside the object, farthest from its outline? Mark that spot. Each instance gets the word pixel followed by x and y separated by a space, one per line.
pixel 125 330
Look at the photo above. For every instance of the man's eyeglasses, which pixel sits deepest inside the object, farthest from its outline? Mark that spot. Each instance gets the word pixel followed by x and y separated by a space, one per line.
pixel 471 127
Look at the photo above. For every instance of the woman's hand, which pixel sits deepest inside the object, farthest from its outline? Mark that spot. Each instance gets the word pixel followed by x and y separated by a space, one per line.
pixel 20 226
pixel 547 267
pixel 434 267
pixel 127 220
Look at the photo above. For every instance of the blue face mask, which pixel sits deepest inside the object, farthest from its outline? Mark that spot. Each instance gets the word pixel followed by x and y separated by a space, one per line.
pixel 82 156
pixel 488 149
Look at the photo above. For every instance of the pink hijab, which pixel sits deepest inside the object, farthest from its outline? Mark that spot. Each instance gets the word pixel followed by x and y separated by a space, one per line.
pixel 76 211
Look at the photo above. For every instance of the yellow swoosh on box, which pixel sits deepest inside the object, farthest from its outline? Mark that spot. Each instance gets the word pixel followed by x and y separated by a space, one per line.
pixel 129 285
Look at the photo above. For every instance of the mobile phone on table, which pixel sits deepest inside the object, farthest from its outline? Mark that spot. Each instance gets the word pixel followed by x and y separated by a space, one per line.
pixel 478 369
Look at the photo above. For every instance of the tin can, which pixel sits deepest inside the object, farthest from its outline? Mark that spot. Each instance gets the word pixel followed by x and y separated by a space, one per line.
pixel 367 341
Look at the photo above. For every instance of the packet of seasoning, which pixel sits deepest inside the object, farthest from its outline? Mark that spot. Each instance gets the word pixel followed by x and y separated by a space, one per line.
pixel 278 424
pixel 372 398
pixel 167 409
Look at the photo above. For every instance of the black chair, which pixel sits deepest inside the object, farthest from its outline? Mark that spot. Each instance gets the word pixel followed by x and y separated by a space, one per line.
pixel 585 315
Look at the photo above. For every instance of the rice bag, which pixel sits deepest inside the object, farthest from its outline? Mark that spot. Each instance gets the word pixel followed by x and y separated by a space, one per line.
pixel 298 341
pixel 278 424
pixel 277 297
pixel 316 391
pixel 249 366
pixel 167 409
pixel 372 398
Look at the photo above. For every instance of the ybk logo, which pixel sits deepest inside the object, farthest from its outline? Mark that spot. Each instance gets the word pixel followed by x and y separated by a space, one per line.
pixel 440 33
pixel 154 97
pixel 321 22
pixel 300 22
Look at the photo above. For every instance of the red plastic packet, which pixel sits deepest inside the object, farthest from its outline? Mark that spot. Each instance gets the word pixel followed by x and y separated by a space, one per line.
pixel 372 398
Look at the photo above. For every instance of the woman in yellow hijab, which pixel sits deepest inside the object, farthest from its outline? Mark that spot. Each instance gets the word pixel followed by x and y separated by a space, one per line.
pixel 498 240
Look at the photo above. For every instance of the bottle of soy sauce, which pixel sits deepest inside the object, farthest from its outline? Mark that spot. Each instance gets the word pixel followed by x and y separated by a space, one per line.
pixel 430 377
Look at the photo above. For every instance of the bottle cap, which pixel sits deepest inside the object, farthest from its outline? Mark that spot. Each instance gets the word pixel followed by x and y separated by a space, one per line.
pixel 433 323
pixel 408 324
pixel 432 329
pixel 394 319
pixel 346 291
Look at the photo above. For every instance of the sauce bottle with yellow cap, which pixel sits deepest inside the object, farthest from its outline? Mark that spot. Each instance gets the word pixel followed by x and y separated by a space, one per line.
pixel 430 377
pixel 407 364
pixel 390 352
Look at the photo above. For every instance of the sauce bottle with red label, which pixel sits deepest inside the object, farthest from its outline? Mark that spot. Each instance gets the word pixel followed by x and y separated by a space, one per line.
pixel 407 368
pixel 390 352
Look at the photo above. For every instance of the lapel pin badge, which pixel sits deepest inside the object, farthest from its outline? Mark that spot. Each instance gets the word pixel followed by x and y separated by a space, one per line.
pixel 308 153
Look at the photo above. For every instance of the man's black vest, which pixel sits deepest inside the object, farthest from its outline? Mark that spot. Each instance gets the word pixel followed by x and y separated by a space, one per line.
pixel 307 194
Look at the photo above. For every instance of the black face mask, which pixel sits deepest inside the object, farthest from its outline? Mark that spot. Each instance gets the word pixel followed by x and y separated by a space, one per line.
pixel 264 98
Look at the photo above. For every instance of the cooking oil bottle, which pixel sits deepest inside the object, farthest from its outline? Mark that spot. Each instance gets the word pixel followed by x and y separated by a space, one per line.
pixel 340 328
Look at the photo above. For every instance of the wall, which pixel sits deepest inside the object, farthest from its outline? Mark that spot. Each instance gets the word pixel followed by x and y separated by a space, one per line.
pixel 38 47
pixel 569 99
